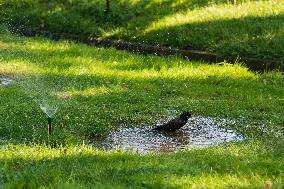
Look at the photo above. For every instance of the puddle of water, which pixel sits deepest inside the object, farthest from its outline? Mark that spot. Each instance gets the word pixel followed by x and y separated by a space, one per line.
pixel 197 133
pixel 4 81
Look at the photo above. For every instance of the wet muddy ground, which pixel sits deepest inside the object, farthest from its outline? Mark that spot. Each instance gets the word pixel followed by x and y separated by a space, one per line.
pixel 197 133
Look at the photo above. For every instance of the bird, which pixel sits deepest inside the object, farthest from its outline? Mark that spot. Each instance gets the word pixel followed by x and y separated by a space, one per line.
pixel 174 124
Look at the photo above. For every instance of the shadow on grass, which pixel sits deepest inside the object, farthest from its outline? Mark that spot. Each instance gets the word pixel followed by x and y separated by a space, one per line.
pixel 223 168
pixel 130 91
pixel 251 36
pixel 54 16
pixel 260 37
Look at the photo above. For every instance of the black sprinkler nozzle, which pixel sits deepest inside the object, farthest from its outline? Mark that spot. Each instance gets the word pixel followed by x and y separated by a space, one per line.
pixel 49 121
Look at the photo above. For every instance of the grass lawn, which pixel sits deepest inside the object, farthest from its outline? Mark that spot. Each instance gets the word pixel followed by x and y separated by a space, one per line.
pixel 252 28
pixel 100 89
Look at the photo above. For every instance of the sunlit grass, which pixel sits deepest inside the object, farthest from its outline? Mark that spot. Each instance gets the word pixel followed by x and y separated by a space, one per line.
pixel 67 58
pixel 90 91
pixel 247 165
pixel 219 12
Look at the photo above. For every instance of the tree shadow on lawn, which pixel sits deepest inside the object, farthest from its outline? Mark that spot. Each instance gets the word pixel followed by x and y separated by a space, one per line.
pixel 225 167
pixel 54 16
pixel 250 36
pixel 260 37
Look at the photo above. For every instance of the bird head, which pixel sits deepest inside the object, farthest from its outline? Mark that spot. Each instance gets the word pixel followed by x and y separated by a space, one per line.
pixel 185 115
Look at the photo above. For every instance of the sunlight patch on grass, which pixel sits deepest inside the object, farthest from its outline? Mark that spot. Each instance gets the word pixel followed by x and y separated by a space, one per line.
pixel 104 90
pixel 219 12
pixel 192 70
pixel 214 167
pixel 220 181
pixel 112 32
pixel 37 152
pixel 45 45
pixel 17 68
pixel 40 56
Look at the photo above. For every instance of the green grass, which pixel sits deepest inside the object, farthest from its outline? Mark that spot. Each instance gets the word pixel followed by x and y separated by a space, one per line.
pixel 252 28
pixel 231 166
pixel 100 89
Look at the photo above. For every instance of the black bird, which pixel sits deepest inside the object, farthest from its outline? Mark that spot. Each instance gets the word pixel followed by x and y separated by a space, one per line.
pixel 174 124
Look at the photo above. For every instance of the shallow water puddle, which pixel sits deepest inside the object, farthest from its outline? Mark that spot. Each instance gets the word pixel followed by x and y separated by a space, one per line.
pixel 4 81
pixel 198 132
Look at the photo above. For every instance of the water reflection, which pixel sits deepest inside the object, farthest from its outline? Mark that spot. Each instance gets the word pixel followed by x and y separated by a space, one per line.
pixel 198 132
pixel 4 81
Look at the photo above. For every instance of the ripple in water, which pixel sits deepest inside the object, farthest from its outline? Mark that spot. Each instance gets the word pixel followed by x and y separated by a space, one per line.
pixel 197 133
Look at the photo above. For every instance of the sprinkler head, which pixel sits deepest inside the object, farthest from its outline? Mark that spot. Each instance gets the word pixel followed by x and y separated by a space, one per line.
pixel 49 120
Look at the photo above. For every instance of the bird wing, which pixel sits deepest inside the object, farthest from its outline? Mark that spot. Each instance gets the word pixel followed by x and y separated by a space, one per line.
pixel 170 125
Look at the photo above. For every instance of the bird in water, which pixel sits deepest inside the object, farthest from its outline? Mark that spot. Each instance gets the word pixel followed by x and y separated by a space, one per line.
pixel 174 124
